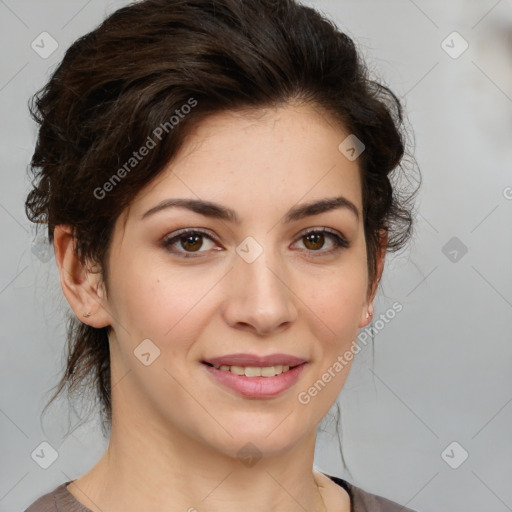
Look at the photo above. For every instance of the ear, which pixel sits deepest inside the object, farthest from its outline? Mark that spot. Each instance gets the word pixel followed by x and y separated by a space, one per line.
pixel 368 309
pixel 82 287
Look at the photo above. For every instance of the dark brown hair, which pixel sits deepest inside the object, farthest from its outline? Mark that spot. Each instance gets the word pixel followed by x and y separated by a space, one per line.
pixel 134 74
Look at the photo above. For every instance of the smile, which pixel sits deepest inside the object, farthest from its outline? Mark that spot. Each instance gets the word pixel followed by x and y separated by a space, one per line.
pixel 255 382
pixel 254 371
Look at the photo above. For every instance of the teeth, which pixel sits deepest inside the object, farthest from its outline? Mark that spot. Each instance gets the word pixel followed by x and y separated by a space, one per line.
pixel 253 371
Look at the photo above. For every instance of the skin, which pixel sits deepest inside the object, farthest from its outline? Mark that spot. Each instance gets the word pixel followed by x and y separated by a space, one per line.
pixel 176 432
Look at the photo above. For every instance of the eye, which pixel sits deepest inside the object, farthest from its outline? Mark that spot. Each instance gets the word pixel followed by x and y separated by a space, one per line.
pixel 189 241
pixel 314 240
pixel 186 242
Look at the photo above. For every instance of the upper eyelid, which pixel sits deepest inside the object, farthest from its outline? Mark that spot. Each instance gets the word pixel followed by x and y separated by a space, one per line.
pixel 185 231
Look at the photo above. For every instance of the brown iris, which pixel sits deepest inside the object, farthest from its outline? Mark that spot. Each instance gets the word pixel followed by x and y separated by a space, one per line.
pixel 317 240
pixel 196 242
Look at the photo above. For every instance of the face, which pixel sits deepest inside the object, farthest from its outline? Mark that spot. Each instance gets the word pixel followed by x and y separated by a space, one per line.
pixel 255 272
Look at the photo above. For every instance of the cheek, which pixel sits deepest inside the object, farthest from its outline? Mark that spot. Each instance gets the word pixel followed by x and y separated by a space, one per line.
pixel 165 306
pixel 336 301
pixel 172 305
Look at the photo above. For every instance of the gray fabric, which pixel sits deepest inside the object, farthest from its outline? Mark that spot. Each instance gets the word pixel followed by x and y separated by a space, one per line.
pixel 61 500
pixel 362 501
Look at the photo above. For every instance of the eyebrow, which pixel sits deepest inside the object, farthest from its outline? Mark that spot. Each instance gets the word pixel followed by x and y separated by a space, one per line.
pixel 217 211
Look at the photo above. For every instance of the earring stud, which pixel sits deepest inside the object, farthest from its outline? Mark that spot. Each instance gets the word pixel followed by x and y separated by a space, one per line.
pixel 87 314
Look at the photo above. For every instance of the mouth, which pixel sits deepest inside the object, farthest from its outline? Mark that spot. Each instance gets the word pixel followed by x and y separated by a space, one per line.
pixel 247 360
pixel 256 382
pixel 254 371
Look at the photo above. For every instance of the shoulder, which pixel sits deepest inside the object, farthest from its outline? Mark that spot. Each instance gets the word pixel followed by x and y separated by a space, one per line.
pixel 45 503
pixel 363 501
pixel 58 500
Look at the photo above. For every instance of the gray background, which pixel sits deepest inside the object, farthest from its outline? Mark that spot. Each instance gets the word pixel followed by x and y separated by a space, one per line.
pixel 441 371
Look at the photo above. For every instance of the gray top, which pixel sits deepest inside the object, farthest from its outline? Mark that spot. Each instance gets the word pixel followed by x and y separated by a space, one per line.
pixel 61 500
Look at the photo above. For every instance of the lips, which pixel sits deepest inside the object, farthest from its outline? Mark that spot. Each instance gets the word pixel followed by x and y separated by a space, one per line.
pixel 255 360
pixel 256 387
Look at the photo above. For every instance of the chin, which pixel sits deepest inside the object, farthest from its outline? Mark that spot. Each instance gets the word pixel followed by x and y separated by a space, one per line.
pixel 267 439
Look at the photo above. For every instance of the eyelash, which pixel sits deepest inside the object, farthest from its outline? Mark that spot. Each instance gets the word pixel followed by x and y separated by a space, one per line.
pixel 339 242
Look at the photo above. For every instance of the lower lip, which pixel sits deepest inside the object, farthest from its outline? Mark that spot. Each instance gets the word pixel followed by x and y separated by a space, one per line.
pixel 257 387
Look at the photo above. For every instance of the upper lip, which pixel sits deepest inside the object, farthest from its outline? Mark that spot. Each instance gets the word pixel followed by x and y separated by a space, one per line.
pixel 255 360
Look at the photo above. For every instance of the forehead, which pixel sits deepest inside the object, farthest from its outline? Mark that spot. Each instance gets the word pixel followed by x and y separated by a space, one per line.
pixel 258 159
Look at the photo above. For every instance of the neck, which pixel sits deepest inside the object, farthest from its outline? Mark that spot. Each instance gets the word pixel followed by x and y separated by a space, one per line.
pixel 148 467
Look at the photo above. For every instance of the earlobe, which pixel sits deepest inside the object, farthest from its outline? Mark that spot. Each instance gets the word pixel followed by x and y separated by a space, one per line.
pixel 366 316
pixel 81 287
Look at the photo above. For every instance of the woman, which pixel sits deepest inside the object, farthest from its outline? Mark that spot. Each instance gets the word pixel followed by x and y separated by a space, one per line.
pixel 215 178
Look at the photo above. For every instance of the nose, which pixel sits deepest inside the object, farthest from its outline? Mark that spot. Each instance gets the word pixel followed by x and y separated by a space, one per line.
pixel 259 298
